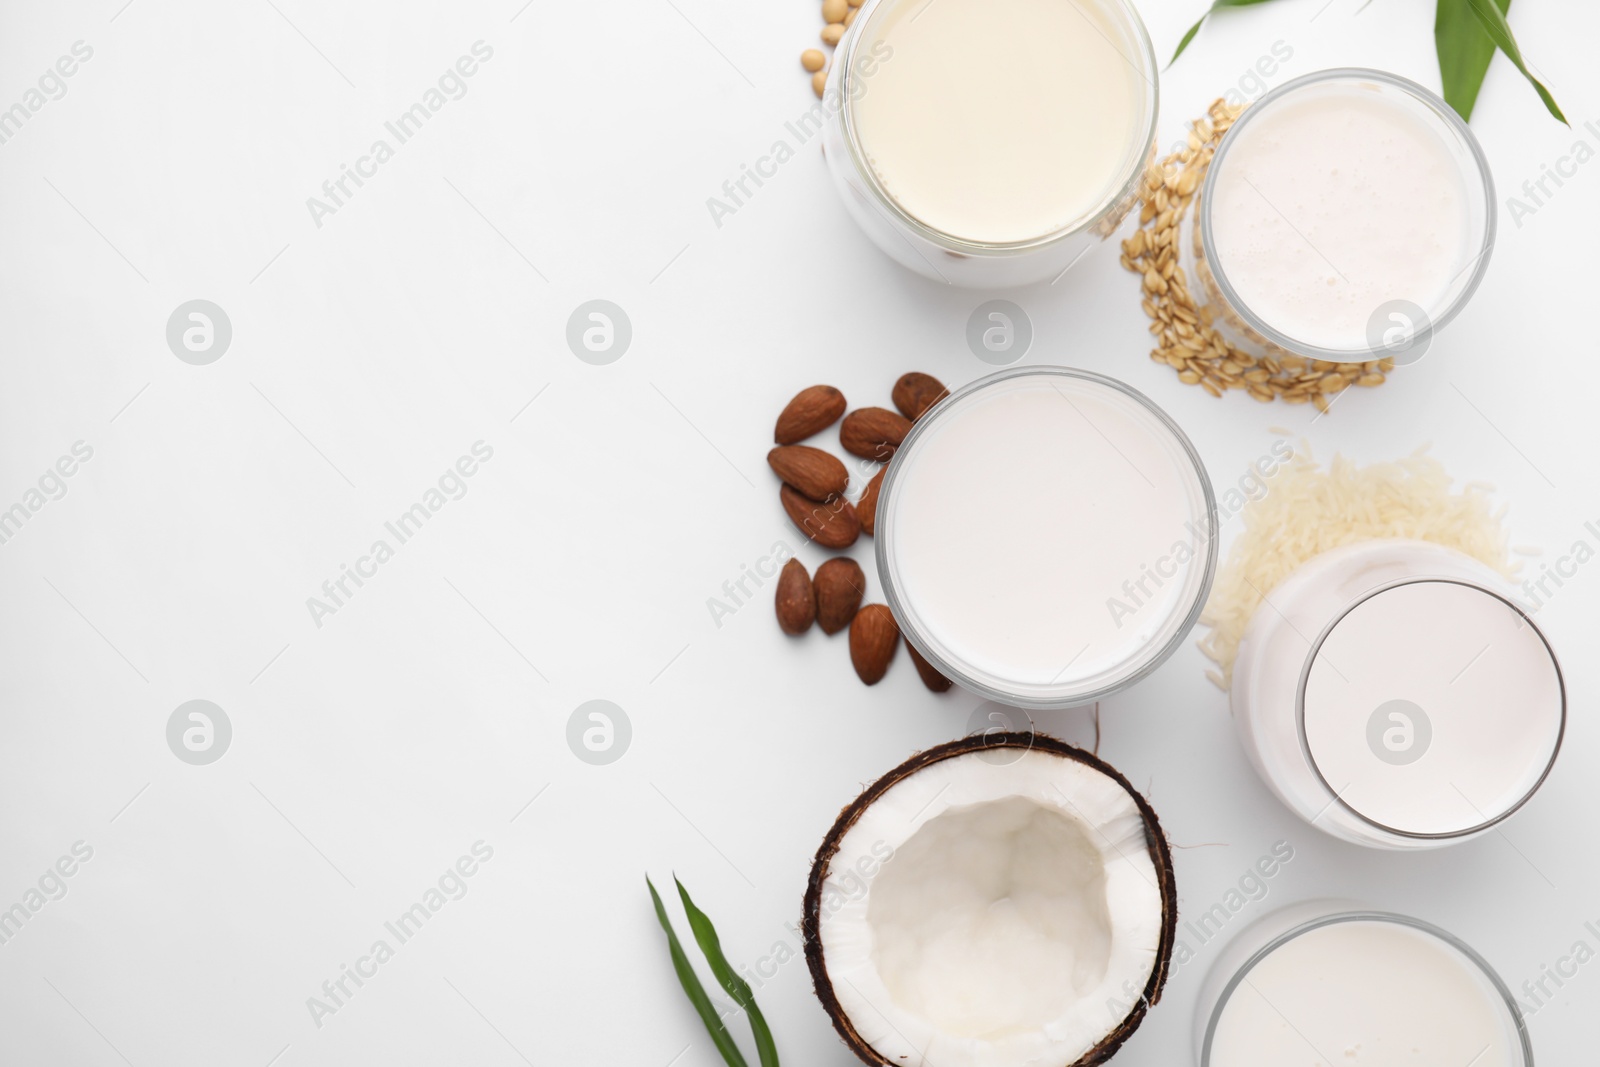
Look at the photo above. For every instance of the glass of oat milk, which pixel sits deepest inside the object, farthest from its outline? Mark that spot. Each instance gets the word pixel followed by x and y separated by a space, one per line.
pixel 991 143
pixel 1046 536
pixel 1329 983
pixel 1346 217
pixel 1394 694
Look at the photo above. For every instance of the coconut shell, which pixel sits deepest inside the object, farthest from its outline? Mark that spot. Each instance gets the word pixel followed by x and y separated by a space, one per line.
pixel 1160 855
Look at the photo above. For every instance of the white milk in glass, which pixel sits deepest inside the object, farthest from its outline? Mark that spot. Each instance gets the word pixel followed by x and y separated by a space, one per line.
pixel 1046 535
pixel 1394 694
pixel 1340 208
pixel 1000 120
pixel 1364 993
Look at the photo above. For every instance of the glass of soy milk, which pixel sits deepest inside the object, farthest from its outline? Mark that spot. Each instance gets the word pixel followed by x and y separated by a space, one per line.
pixel 1393 694
pixel 990 143
pixel 1329 984
pixel 1346 217
pixel 1046 536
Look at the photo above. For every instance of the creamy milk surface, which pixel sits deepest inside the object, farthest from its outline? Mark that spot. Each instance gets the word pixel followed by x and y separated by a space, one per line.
pixel 1332 201
pixel 999 120
pixel 1364 994
pixel 1047 529
pixel 1433 707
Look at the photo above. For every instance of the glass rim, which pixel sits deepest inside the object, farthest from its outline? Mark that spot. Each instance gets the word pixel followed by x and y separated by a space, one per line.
pixel 1370 915
pixel 1129 175
pixel 1479 261
pixel 1051 696
pixel 1305 677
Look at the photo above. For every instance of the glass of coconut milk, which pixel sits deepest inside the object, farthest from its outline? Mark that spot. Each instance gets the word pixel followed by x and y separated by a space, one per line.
pixel 1326 983
pixel 990 143
pixel 1046 536
pixel 1393 694
pixel 1346 216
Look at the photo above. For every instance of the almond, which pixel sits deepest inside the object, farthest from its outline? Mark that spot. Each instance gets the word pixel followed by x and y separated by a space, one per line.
pixel 840 585
pixel 929 674
pixel 796 600
pixel 916 392
pixel 873 638
pixel 867 506
pixel 817 474
pixel 811 411
pixel 873 433
pixel 830 523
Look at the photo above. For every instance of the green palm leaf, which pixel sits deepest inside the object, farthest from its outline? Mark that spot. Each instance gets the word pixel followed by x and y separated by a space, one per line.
pixel 1217 5
pixel 697 993
pixel 705 936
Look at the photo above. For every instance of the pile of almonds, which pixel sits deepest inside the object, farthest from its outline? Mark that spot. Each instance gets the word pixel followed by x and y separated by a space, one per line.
pixel 837 15
pixel 813 496
pixel 1187 339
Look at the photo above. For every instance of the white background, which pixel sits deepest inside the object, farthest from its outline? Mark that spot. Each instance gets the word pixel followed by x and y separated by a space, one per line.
pixel 369 353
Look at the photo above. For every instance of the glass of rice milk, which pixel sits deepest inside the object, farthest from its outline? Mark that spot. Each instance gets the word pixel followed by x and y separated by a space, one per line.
pixel 1346 216
pixel 990 143
pixel 1393 694
pixel 1327 982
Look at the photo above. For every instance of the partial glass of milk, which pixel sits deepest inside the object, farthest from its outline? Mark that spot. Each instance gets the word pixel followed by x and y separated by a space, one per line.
pixel 1394 694
pixel 1346 216
pixel 990 143
pixel 1326 984
pixel 1046 536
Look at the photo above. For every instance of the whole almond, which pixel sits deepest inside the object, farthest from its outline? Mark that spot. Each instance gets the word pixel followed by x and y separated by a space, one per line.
pixel 796 600
pixel 873 638
pixel 811 411
pixel 840 585
pixel 916 392
pixel 830 523
pixel 867 506
pixel 817 474
pixel 873 433
pixel 927 672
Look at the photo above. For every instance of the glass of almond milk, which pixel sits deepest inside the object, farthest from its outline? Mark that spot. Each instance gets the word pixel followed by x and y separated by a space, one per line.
pixel 1394 694
pixel 1346 217
pixel 1328 982
pixel 1046 536
pixel 990 143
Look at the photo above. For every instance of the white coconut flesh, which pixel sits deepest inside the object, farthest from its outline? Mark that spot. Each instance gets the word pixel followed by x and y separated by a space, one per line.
pixel 1016 923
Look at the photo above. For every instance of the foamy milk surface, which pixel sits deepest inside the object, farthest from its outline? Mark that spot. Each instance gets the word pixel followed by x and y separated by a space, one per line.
pixel 999 120
pixel 1028 509
pixel 1332 201
pixel 1364 994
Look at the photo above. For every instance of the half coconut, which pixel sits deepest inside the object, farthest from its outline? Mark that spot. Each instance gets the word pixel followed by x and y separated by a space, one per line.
pixel 1005 900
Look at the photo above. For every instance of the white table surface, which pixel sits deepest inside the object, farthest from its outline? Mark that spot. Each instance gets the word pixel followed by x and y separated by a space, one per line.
pixel 371 352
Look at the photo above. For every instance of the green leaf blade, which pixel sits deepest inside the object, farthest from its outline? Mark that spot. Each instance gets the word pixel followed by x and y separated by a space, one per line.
pixel 1464 52
pixel 1494 23
pixel 695 991
pixel 705 935
pixel 1217 5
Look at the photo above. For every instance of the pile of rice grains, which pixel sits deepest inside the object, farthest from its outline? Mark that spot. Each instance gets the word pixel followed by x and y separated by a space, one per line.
pixel 1308 510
